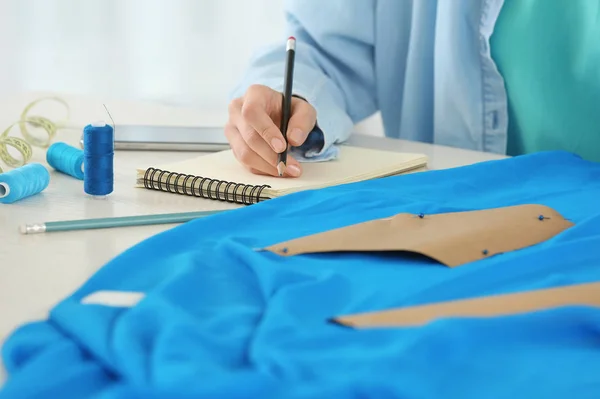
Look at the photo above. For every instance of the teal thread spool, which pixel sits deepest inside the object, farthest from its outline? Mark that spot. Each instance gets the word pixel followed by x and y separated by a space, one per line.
pixel 66 159
pixel 23 182
pixel 98 149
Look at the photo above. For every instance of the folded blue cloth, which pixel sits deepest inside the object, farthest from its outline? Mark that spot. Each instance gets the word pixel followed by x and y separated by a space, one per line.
pixel 222 320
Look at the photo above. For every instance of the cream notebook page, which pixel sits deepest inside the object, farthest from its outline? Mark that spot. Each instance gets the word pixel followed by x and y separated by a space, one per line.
pixel 353 164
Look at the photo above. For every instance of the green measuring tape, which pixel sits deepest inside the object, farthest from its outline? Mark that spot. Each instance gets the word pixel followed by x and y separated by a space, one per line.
pixel 24 146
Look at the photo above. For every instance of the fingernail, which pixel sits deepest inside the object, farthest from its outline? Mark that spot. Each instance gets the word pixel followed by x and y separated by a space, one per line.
pixel 278 145
pixel 293 170
pixel 296 135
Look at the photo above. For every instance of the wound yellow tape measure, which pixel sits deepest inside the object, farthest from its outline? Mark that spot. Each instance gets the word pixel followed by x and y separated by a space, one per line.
pixel 24 146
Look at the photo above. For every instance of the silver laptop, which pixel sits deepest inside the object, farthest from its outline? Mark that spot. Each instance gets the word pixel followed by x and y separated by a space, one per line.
pixel 169 138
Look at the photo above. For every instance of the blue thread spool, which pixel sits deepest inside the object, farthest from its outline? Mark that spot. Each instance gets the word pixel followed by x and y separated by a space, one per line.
pixel 66 159
pixel 23 182
pixel 98 150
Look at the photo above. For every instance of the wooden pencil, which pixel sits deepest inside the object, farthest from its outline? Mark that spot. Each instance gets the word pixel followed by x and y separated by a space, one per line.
pixel 104 223
pixel 286 102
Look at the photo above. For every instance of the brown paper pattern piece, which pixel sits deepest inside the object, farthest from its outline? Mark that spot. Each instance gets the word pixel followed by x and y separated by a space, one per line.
pixel 452 238
pixel 587 294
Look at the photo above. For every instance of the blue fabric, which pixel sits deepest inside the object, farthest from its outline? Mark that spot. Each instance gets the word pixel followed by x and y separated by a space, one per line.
pixel 424 64
pixel 221 320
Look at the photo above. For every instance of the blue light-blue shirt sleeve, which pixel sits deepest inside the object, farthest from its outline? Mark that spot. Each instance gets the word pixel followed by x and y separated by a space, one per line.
pixel 334 69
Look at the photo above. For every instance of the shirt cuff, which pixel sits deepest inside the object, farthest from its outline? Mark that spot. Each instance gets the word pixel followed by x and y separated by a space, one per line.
pixel 333 125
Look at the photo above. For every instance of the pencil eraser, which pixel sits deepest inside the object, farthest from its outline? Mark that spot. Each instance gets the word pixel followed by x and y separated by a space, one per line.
pixel 291 44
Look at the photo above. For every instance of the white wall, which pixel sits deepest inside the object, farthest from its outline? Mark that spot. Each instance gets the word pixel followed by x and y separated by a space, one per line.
pixel 173 51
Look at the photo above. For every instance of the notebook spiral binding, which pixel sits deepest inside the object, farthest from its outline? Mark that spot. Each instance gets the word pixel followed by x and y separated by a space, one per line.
pixel 202 187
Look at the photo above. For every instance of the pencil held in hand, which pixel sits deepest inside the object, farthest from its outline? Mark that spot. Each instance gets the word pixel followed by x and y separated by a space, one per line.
pixel 254 128
pixel 286 105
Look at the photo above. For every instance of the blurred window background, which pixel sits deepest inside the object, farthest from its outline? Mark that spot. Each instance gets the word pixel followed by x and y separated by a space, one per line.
pixel 176 52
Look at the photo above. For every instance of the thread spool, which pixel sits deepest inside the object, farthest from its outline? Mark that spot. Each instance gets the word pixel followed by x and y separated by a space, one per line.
pixel 23 182
pixel 98 150
pixel 66 159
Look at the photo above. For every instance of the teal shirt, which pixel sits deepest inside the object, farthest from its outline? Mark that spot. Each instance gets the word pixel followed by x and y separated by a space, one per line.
pixel 548 52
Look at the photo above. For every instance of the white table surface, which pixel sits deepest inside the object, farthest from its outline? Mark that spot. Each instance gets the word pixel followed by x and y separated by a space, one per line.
pixel 37 271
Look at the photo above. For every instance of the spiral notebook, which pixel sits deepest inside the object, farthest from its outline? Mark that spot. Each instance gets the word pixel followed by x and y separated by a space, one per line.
pixel 219 176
